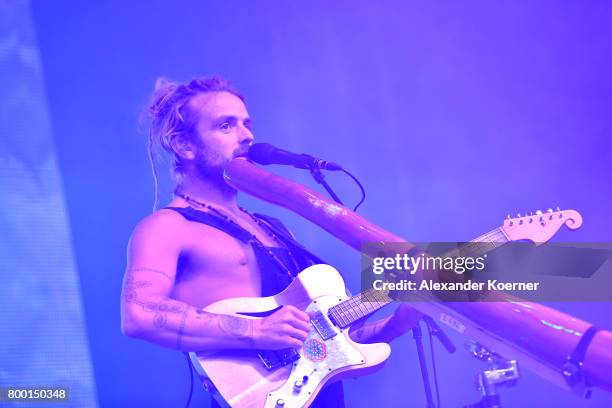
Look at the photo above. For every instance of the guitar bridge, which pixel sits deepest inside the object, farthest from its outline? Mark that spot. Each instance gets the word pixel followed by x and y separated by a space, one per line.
pixel 273 359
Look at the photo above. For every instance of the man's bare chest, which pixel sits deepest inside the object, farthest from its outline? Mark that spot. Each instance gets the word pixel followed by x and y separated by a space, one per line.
pixel 214 265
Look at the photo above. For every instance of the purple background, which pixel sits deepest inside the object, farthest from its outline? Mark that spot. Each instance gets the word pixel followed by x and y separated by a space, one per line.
pixel 452 114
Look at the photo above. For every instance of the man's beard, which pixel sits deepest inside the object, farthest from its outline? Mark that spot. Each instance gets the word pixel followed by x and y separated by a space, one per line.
pixel 209 166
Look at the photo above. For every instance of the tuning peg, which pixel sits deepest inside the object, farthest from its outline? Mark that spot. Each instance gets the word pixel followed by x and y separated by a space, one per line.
pixel 530 213
pixel 508 216
pixel 539 212
pixel 558 209
pixel 518 215
pixel 549 210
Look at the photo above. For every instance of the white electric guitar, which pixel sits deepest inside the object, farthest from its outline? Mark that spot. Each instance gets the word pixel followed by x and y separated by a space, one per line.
pixel 293 378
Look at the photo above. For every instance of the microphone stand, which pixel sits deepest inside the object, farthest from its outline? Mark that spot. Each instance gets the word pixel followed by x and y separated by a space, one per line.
pixel 319 177
pixel 417 335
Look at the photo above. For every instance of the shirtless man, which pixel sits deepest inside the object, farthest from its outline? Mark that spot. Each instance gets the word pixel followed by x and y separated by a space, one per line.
pixel 176 267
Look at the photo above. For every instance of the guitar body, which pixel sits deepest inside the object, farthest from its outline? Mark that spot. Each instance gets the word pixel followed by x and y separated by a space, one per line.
pixel 241 378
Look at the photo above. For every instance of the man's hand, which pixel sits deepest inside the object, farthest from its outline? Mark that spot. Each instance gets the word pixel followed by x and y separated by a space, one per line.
pixel 287 327
pixel 385 330
pixel 404 319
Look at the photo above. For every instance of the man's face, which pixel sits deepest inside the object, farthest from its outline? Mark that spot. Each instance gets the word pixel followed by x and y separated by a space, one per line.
pixel 223 131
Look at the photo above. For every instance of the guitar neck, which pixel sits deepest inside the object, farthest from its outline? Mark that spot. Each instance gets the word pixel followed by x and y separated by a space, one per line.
pixel 369 301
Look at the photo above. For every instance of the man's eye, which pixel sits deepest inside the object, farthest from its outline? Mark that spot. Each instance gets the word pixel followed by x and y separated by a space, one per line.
pixel 225 126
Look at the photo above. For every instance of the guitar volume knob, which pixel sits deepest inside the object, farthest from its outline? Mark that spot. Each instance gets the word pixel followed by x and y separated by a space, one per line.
pixel 280 403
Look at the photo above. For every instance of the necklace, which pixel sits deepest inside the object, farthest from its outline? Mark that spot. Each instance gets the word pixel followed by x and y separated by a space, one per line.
pixel 253 238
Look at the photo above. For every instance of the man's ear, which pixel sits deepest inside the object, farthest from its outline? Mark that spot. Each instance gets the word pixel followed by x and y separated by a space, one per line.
pixel 183 147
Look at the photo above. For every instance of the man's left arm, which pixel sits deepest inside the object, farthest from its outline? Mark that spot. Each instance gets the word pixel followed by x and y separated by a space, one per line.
pixel 385 330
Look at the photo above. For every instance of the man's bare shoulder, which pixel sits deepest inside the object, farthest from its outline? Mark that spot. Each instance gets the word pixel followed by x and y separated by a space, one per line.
pixel 161 226
pixel 162 221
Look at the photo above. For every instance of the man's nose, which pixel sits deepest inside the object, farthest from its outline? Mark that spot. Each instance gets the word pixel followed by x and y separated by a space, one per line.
pixel 246 136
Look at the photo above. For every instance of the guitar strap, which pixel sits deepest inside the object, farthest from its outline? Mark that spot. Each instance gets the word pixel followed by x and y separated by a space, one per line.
pixel 287 238
pixel 212 220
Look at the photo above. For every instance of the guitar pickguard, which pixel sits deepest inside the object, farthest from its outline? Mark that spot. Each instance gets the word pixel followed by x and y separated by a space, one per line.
pixel 325 351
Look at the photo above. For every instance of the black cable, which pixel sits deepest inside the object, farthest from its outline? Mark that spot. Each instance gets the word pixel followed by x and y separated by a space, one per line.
pixel 363 193
pixel 190 380
pixel 433 364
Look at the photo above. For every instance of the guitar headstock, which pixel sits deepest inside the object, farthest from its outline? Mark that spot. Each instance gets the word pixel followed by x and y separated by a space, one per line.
pixel 541 226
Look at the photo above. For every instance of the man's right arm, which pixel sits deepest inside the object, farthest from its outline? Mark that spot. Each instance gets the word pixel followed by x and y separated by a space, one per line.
pixel 148 313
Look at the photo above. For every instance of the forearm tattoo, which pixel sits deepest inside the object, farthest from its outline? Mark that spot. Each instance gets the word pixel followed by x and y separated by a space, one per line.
pixel 202 315
pixel 160 310
pixel 367 332
pixel 181 331
pixel 241 328
pixel 232 325
pixel 236 326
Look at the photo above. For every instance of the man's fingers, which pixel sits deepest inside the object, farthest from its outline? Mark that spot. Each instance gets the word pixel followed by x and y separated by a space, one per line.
pixel 293 343
pixel 296 333
pixel 298 313
pixel 300 324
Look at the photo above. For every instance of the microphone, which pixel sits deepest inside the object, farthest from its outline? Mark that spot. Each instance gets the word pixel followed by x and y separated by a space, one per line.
pixel 265 153
pixel 437 331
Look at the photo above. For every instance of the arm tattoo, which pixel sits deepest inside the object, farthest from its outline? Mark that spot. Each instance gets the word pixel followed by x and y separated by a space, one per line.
pixel 167 275
pixel 236 326
pixel 367 332
pixel 181 331
pixel 232 325
pixel 203 315
pixel 160 310
pixel 358 334
pixel 160 320
pixel 129 289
